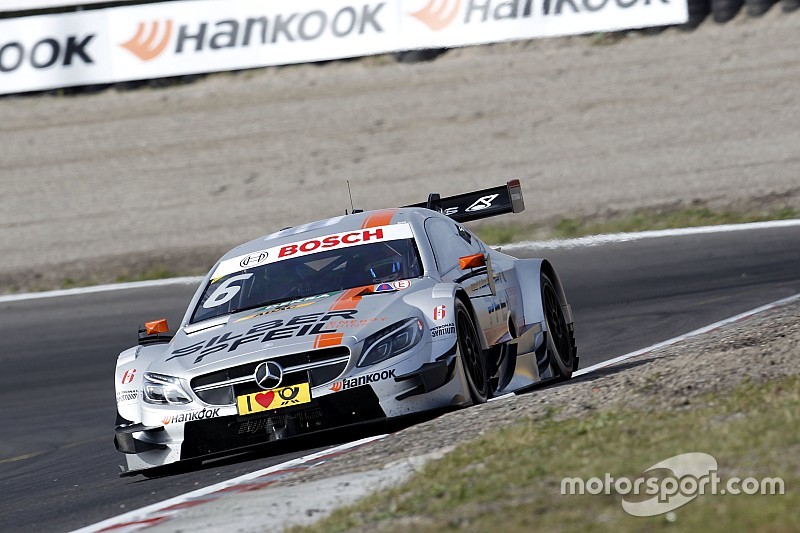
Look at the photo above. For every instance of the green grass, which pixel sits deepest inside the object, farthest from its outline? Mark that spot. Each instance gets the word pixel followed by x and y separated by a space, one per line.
pixel 148 274
pixel 638 220
pixel 152 273
pixel 510 479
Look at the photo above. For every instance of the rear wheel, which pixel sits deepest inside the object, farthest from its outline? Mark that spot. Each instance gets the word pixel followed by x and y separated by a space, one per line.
pixel 472 360
pixel 560 340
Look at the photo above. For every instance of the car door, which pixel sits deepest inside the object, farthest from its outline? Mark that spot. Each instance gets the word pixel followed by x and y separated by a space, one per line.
pixel 451 241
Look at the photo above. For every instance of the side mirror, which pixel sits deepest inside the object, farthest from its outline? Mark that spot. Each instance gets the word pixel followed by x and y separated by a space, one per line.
pixel 155 332
pixel 156 326
pixel 472 261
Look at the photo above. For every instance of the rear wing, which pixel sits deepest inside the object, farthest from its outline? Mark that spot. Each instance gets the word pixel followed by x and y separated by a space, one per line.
pixel 479 204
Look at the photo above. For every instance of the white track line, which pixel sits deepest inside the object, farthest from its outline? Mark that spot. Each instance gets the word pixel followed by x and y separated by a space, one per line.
pixel 101 288
pixel 594 240
pixel 598 240
pixel 162 511
pixel 695 333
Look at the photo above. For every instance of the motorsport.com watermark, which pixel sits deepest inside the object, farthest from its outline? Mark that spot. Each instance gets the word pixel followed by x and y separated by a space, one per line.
pixel 691 475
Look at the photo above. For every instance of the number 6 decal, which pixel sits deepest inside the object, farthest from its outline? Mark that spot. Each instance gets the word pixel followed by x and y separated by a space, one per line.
pixel 226 291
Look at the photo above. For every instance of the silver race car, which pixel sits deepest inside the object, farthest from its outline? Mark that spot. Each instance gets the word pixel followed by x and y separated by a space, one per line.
pixel 352 319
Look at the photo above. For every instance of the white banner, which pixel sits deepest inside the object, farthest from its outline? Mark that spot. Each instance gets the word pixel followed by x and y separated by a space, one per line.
pixel 174 38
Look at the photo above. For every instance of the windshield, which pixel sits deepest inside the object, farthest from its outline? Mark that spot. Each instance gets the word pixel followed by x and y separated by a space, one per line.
pixel 309 275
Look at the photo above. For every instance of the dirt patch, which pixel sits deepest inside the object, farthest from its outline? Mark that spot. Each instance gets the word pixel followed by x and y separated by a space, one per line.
pixel 650 121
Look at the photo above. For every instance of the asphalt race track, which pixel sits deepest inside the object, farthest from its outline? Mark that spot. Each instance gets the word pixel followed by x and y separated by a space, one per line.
pixel 58 466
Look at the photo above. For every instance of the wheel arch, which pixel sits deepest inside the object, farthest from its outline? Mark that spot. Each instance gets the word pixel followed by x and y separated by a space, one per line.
pixel 461 295
pixel 529 277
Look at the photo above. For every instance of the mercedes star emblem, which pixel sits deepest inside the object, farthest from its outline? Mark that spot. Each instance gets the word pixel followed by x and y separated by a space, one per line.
pixel 269 375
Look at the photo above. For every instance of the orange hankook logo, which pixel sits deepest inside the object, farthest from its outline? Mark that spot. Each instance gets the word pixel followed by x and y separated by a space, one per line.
pixel 147 45
pixel 438 14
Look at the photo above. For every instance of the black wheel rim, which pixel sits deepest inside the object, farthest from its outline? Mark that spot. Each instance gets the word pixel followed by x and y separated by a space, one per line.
pixel 557 326
pixel 471 352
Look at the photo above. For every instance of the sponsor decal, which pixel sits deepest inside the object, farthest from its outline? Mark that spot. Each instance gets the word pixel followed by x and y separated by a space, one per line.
pixel 128 376
pixel 254 259
pixel 273 399
pixel 439 312
pixel 127 395
pixel 482 203
pixel 339 324
pixel 445 330
pixel 384 287
pixel 297 326
pixel 285 306
pixel 332 242
pixel 360 381
pixel 205 414
pixel 402 284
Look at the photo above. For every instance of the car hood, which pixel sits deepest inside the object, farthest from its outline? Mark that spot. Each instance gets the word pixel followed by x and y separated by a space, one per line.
pixel 340 318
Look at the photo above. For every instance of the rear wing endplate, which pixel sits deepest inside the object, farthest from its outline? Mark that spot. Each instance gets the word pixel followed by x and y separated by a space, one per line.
pixel 478 204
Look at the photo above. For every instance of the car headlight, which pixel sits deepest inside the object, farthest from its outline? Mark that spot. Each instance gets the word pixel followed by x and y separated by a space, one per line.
pixel 161 389
pixel 391 341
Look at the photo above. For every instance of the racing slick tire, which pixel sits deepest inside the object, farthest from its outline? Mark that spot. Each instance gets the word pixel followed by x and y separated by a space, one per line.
pixel 560 337
pixel 471 355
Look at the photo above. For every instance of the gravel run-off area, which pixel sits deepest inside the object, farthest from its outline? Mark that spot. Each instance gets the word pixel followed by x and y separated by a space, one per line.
pixel 118 184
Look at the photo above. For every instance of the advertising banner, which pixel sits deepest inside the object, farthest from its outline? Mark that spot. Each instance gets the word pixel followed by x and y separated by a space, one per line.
pixel 175 38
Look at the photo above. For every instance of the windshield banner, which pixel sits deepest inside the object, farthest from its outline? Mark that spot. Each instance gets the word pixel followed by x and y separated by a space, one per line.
pixel 311 246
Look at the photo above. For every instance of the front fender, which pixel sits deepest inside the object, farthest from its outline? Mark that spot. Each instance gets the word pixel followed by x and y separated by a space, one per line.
pixel 131 366
pixel 442 296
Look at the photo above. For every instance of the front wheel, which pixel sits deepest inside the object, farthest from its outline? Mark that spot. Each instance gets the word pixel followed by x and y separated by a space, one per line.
pixel 471 354
pixel 560 340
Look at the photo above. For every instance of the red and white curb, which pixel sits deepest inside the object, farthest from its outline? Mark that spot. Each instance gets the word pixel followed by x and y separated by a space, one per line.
pixel 159 513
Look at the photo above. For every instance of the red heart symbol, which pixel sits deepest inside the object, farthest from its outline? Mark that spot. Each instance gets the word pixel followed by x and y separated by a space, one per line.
pixel 264 399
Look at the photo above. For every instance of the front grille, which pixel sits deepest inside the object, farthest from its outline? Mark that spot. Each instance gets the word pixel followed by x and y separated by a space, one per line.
pixel 217 435
pixel 316 367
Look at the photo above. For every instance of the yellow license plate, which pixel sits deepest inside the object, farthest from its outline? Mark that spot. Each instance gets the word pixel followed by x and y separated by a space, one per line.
pixel 248 404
